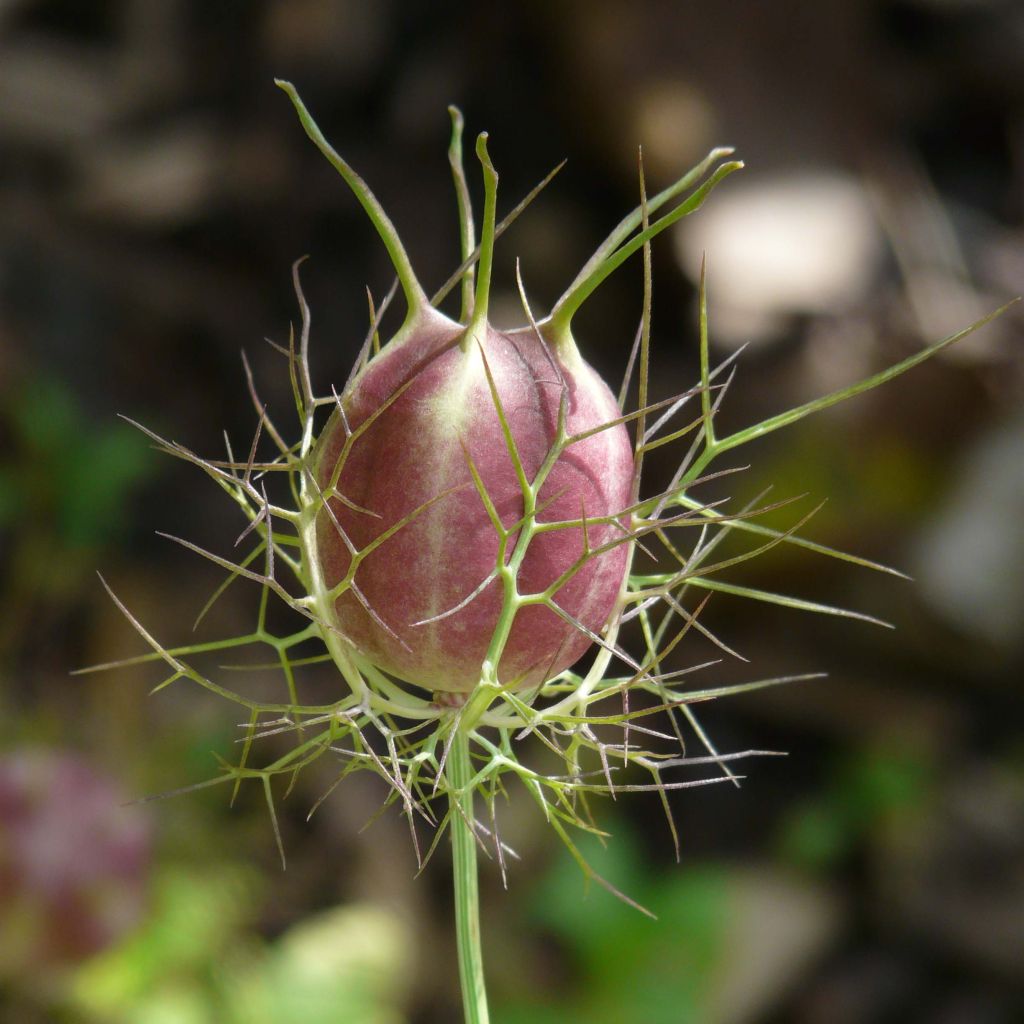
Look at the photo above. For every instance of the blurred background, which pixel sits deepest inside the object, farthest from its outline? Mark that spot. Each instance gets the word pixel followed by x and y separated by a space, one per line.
pixel 154 190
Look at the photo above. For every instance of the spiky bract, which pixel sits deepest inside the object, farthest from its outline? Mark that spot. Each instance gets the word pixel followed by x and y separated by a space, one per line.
pixel 556 512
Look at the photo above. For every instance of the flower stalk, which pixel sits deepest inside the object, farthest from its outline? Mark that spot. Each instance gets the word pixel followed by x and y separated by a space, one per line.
pixel 462 827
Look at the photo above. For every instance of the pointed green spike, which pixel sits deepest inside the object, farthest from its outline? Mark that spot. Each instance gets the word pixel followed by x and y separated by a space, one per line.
pixel 483 280
pixel 415 297
pixel 467 229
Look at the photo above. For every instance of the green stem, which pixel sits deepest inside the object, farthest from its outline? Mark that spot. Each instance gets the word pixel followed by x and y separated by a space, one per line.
pixel 483 280
pixel 594 273
pixel 784 419
pixel 415 297
pixel 633 220
pixel 717 445
pixel 464 875
pixel 467 231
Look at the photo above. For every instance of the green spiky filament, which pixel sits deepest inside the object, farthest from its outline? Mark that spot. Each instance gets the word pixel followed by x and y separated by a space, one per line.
pixel 481 297
pixel 382 725
pixel 467 230
pixel 380 714
pixel 415 297
pixel 619 246
pixel 714 446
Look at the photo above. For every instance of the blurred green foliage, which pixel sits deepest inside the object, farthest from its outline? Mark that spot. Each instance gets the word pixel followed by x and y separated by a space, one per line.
pixel 63 474
pixel 869 789
pixel 871 489
pixel 627 966
pixel 64 496
pixel 199 961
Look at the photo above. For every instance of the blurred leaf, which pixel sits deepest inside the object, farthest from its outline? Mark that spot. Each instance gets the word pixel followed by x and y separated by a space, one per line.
pixel 197 962
pixel 816 835
pixel 97 482
pixel 632 968
pixel 63 475
pixel 879 782
pixel 868 788
pixel 195 918
pixel 350 965
pixel 180 1003
pixel 45 416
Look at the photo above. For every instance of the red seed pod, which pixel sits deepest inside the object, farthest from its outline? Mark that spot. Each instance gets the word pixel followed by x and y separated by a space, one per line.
pixel 421 419
pixel 472 515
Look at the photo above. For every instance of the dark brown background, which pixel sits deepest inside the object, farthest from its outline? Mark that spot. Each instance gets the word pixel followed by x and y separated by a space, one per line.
pixel 154 191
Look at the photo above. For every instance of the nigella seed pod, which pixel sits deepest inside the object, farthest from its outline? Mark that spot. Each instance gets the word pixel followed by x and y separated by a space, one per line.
pixel 460 435
pixel 468 512
pixel 473 522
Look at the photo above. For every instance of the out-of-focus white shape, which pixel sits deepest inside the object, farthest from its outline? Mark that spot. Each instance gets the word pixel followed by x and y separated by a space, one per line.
pixel 54 94
pixel 776 929
pixel 798 244
pixel 970 561
pixel 675 123
pixel 161 178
